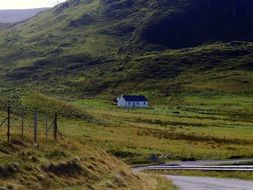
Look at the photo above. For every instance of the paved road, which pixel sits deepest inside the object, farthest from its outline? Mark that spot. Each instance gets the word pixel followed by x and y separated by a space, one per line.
pixel 208 165
pixel 205 183
pixel 209 183
pixel 241 168
pixel 211 162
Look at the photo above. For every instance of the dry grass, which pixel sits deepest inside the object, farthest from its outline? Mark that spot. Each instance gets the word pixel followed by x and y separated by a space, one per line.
pixel 66 164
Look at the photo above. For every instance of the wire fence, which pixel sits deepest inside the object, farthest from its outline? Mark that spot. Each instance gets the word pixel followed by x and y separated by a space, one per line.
pixel 51 125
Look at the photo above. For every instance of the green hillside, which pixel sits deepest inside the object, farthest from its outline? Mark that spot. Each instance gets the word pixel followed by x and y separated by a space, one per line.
pixel 192 59
pixel 99 47
pixel 88 52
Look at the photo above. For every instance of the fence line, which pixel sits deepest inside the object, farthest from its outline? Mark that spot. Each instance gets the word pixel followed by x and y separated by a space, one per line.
pixel 54 126
pixel 22 126
pixel 35 128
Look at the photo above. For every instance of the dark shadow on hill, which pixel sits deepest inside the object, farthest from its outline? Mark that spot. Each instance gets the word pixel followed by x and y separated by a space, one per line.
pixel 196 22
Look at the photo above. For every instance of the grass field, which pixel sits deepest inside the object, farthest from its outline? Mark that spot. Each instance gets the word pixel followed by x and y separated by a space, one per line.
pixel 192 127
pixel 200 127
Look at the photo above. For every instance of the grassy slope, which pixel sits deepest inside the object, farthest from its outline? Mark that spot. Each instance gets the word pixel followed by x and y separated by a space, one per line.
pixel 213 68
pixel 202 96
pixel 90 48
pixel 67 165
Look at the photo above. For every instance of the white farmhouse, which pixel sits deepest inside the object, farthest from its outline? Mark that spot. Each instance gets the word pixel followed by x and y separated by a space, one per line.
pixel 132 101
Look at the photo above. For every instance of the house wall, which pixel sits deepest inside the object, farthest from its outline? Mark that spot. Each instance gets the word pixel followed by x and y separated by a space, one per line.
pixel 123 103
pixel 140 104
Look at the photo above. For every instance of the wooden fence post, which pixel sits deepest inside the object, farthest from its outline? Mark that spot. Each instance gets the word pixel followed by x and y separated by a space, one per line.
pixel 8 123
pixel 35 128
pixel 22 126
pixel 46 129
pixel 55 127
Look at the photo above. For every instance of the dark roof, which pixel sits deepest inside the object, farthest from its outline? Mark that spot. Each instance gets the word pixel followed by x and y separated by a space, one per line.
pixel 135 98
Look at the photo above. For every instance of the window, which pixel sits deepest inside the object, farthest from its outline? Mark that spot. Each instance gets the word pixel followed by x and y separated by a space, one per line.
pixel 137 103
pixel 129 103
pixel 144 103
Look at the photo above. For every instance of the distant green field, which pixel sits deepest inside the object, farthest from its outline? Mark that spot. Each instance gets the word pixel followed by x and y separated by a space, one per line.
pixel 202 126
